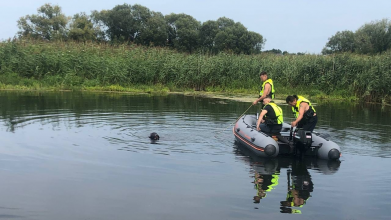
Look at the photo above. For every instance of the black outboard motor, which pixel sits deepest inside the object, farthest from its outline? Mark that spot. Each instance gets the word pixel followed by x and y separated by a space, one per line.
pixel 302 141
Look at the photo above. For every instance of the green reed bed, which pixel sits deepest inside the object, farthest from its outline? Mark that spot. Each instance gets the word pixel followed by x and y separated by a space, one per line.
pixel 88 66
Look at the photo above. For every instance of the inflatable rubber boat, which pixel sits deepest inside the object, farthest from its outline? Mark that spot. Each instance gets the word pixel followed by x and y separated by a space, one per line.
pixel 288 142
pixel 273 165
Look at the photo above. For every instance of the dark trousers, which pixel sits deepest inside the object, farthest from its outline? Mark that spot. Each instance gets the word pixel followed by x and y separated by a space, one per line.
pixel 308 124
pixel 270 129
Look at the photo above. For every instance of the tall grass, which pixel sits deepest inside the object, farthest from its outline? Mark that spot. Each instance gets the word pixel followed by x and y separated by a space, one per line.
pixel 71 64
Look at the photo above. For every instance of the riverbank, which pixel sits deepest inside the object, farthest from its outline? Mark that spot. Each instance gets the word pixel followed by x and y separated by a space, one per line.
pixel 123 68
pixel 234 95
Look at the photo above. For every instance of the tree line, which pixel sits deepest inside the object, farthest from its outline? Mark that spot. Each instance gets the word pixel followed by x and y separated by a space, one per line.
pixel 138 25
pixel 371 38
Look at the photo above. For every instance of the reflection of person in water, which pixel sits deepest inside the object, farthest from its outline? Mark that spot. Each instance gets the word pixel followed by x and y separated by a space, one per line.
pixel 264 184
pixel 299 190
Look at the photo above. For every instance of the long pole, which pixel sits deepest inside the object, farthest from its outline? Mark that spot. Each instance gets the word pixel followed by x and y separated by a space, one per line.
pixel 237 119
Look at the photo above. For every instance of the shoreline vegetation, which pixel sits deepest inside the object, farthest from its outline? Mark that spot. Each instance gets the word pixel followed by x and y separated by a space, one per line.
pixel 53 66
pixel 240 97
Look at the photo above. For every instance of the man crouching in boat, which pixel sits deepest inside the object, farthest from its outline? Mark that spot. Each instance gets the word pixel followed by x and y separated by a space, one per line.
pixel 304 112
pixel 270 120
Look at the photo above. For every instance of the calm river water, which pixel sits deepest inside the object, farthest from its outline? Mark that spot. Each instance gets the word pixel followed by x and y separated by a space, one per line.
pixel 88 156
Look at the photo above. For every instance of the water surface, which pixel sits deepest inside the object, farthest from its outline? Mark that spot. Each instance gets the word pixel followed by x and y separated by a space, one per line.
pixel 71 155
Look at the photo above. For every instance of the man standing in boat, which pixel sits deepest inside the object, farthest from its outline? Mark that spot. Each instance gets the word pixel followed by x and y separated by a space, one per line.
pixel 270 119
pixel 267 88
pixel 304 112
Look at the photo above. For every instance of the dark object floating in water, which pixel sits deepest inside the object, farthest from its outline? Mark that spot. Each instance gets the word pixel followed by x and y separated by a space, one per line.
pixel 154 136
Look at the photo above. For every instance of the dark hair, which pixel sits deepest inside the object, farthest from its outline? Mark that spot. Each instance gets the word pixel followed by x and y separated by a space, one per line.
pixel 304 194
pixel 291 98
pixel 154 136
pixel 263 73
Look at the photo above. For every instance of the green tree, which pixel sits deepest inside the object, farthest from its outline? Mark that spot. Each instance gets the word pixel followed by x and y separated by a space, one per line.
pixel 208 32
pixel 139 16
pixel 255 42
pixel 341 42
pixel 126 23
pixel 118 23
pixel 99 19
pixel 50 23
pixel 275 51
pixel 239 39
pixel 82 28
pixel 374 37
pixel 235 37
pixel 225 39
pixel 183 32
pixel 371 38
pixel 153 31
pixel 225 23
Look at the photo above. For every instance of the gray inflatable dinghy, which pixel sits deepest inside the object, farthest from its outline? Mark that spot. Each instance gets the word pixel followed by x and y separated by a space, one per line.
pixel 288 142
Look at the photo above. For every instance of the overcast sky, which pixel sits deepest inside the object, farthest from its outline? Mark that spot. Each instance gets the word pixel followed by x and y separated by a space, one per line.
pixel 288 25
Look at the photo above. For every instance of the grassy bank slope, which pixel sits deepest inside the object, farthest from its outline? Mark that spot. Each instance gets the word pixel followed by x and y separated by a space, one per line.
pixel 84 66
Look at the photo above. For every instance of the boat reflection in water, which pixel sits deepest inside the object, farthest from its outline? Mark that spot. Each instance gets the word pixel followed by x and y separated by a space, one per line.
pixel 300 185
